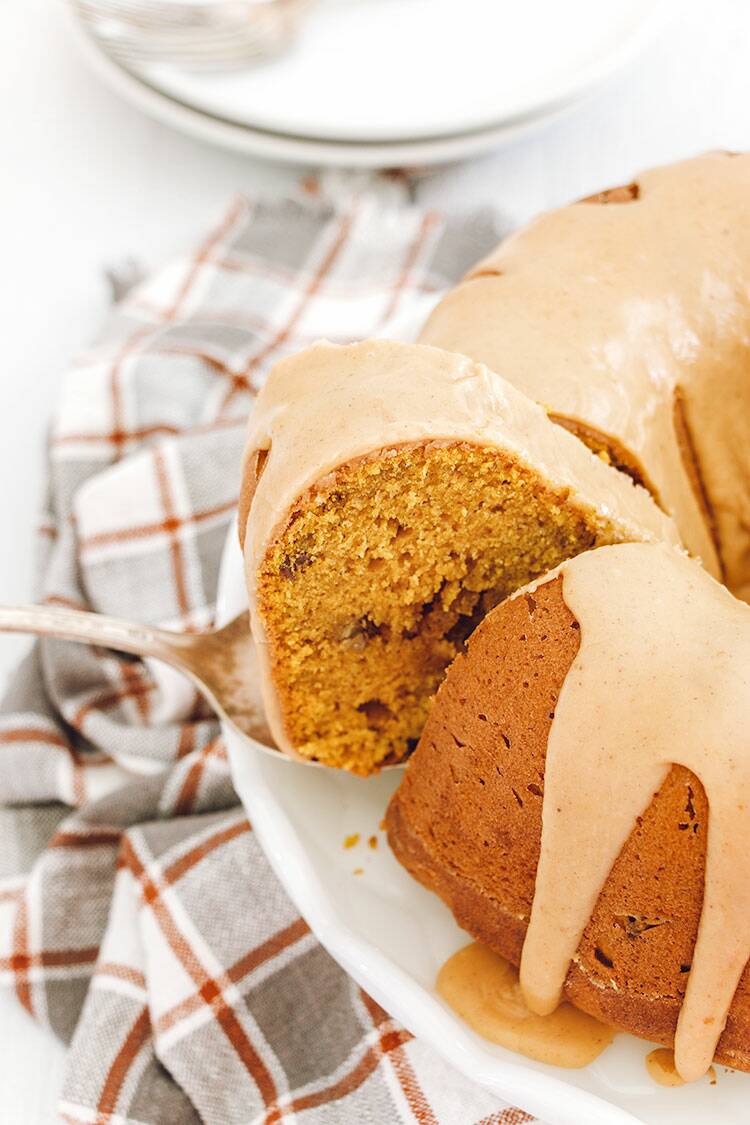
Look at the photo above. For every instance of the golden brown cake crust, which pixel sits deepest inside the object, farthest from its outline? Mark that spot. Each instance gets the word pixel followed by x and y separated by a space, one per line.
pixel 466 822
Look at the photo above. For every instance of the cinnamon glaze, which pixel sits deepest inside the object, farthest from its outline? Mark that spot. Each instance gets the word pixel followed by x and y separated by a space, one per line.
pixel 483 989
pixel 610 311
pixel 660 1066
pixel 661 677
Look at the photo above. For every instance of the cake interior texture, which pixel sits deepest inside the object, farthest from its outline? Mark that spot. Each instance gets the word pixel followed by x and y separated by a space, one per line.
pixel 384 569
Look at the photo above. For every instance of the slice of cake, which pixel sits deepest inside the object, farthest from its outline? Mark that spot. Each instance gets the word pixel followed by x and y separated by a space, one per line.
pixel 391 495
pixel 579 797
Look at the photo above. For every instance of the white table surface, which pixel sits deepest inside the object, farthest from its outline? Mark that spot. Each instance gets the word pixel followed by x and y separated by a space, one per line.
pixel 86 182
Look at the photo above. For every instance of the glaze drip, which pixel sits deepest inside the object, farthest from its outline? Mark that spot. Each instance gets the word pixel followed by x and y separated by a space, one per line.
pixel 662 677
pixel 483 989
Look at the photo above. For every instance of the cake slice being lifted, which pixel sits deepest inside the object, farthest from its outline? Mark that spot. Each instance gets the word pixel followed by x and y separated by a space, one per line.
pixel 392 494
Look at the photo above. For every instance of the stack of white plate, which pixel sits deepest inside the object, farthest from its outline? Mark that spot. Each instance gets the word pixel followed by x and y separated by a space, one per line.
pixel 375 83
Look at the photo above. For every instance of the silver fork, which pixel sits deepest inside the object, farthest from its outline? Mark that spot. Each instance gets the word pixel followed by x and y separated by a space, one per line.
pixel 221 664
pixel 202 36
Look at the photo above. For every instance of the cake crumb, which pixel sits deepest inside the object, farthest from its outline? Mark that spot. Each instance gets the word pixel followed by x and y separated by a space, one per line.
pixel 381 826
pixel 351 841
pixel 396 610
pixel 373 842
pixel 359 870
pixel 310 185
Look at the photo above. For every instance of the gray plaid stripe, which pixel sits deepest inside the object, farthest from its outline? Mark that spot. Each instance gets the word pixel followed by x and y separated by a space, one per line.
pixel 211 1000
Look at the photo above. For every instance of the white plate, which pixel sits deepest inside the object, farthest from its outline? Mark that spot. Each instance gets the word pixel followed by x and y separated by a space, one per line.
pixel 289 149
pixel 392 936
pixel 404 70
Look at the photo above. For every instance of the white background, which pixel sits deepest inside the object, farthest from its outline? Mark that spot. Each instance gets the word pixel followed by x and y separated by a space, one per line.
pixel 86 182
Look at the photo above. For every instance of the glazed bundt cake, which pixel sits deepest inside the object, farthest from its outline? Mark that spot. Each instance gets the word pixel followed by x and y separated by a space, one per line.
pixel 392 494
pixel 627 316
pixel 580 797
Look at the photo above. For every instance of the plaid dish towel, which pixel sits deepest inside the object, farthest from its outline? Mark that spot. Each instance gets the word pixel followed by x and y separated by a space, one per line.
pixel 139 919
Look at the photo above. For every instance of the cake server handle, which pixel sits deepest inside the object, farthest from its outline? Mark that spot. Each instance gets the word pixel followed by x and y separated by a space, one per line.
pixel 90 628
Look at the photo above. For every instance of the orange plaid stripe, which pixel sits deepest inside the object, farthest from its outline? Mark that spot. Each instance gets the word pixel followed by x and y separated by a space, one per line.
pixel 135 1040
pixel 118 437
pixel 135 688
pixel 362 1070
pixel 402 1068
pixel 90 838
pixel 282 334
pixel 190 785
pixel 169 525
pixel 121 972
pixel 209 989
pixel 247 964
pixel 20 963
pixel 428 224
pixel 51 738
pixel 33 734
pixel 509 1116
pixel 204 253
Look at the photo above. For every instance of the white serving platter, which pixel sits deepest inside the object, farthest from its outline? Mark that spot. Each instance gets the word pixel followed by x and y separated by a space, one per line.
pixel 385 71
pixel 392 936
pixel 287 148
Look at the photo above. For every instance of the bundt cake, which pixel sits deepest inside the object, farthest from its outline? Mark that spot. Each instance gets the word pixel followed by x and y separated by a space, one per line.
pixel 580 797
pixel 627 316
pixel 392 494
